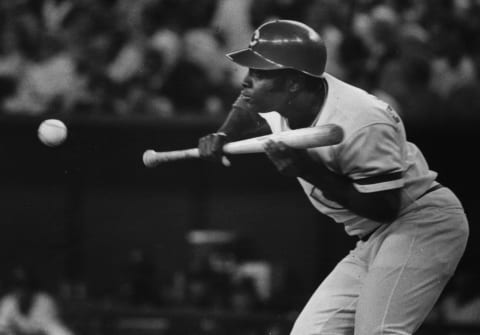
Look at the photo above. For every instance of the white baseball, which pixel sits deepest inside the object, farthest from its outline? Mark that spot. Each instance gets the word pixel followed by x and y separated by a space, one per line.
pixel 52 132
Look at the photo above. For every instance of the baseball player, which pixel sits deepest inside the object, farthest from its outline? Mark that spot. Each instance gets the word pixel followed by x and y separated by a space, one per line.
pixel 411 230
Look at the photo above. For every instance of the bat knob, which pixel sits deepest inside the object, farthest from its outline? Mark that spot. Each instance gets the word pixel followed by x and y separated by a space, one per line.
pixel 148 158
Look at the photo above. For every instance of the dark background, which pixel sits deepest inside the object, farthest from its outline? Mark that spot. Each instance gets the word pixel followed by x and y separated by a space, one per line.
pixel 76 210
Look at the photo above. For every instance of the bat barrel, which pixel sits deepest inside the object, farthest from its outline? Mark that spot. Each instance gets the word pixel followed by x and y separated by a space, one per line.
pixel 304 138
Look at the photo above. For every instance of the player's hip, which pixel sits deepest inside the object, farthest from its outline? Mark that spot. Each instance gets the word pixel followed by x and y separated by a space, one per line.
pixel 437 198
pixel 433 236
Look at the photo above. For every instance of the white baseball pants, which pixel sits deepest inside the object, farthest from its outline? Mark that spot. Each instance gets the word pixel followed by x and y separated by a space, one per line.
pixel 389 283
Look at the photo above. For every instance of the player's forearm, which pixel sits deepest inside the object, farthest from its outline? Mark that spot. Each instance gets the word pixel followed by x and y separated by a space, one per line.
pixel 242 122
pixel 378 206
pixel 236 123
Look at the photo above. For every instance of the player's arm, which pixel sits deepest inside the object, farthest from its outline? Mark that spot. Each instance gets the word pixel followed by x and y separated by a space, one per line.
pixel 382 206
pixel 241 122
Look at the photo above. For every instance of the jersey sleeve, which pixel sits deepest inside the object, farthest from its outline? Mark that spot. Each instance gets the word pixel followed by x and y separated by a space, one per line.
pixel 372 158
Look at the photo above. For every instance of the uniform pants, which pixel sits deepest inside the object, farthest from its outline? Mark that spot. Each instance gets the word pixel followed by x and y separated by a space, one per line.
pixel 389 283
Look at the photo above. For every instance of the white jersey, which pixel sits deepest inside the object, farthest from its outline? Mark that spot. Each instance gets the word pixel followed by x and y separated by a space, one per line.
pixel 374 153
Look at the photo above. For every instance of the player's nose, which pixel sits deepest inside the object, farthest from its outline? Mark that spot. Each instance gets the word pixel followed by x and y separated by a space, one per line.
pixel 247 81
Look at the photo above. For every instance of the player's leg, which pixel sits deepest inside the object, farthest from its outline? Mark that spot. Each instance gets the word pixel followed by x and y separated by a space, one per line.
pixel 331 309
pixel 416 258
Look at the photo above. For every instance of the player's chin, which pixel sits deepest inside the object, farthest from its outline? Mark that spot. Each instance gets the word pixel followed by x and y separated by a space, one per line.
pixel 262 106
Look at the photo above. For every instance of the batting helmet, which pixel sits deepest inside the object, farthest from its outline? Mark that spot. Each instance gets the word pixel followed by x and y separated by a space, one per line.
pixel 284 44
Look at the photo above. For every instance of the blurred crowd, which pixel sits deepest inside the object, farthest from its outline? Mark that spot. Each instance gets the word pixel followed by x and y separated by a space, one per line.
pixel 165 58
pixel 27 308
pixel 216 280
pixel 222 273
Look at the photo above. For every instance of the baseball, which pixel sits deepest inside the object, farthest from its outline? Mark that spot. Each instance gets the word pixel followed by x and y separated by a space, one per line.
pixel 52 132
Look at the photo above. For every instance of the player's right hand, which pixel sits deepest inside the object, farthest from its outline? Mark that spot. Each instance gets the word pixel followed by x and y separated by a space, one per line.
pixel 288 161
pixel 211 148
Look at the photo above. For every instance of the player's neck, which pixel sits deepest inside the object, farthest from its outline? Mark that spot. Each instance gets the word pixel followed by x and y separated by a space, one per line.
pixel 307 108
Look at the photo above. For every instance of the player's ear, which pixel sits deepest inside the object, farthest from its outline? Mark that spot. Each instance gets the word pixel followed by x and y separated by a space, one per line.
pixel 294 86
pixel 295 83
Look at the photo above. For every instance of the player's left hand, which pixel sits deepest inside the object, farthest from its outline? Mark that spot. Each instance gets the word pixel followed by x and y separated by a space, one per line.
pixel 288 161
pixel 210 148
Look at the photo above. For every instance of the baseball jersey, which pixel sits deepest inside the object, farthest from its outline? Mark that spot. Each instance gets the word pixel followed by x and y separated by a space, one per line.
pixel 374 153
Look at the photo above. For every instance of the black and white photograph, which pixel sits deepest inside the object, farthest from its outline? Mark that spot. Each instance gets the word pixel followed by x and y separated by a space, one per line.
pixel 240 167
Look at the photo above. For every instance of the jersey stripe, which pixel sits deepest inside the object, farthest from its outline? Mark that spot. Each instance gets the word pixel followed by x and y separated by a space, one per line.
pixel 379 179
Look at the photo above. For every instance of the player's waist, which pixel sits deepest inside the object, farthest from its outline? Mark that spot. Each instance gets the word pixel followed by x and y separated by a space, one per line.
pixel 435 187
pixel 430 190
pixel 354 224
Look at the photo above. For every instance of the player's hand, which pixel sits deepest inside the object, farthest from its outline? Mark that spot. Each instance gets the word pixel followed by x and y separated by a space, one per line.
pixel 211 148
pixel 288 161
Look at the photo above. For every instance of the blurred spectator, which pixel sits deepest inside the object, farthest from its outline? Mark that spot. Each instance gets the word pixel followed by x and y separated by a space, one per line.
pixel 54 12
pixel 49 78
pixel 26 309
pixel 320 15
pixel 209 269
pixel 127 62
pixel 382 40
pixel 11 62
pixel 461 303
pixel 353 56
pixel 179 15
pixel 140 285
pixel 168 43
pixel 463 102
pixel 232 22
pixel 143 92
pixel 452 68
pixel 244 296
pixel 407 80
pixel 266 10
pixel 203 48
pixel 199 83
pixel 188 87
pixel 332 20
pixel 93 56
pixel 165 58
pixel 131 13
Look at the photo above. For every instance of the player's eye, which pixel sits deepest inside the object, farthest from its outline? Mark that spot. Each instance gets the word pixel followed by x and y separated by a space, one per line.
pixel 259 74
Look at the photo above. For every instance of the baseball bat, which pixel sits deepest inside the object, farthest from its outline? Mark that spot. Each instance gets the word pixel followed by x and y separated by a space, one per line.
pixel 302 138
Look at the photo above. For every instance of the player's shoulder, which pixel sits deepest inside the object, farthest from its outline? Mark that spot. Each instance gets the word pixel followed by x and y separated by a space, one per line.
pixel 276 122
pixel 355 108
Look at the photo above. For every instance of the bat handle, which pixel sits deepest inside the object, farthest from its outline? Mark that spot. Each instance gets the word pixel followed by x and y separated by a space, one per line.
pixel 151 158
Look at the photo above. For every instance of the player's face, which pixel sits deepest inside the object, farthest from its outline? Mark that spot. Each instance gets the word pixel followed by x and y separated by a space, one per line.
pixel 263 91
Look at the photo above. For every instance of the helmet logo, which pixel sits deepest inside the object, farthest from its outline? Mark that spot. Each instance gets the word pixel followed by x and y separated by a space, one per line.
pixel 255 39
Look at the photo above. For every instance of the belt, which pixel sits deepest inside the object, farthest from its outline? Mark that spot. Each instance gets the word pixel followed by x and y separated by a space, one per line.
pixel 430 190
